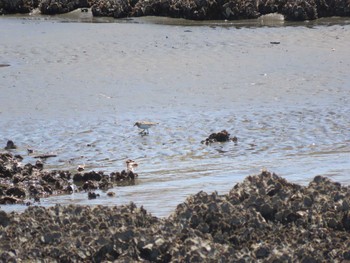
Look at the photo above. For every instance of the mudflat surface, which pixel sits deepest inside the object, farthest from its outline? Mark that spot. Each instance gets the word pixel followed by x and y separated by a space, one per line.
pixel 76 89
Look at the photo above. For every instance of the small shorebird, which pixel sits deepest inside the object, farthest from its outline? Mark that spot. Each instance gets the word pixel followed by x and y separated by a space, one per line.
pixel 145 125
pixel 130 165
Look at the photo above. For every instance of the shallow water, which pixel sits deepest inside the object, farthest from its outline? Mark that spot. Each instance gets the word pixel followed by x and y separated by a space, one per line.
pixel 76 89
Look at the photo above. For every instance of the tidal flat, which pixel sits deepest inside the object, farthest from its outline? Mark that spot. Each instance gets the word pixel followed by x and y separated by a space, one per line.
pixel 74 86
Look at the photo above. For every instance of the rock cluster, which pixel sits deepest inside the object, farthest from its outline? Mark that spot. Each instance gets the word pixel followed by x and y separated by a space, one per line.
pixel 300 10
pixel 22 183
pixel 51 7
pixel 197 9
pixel 222 136
pixel 263 219
pixel 188 9
pixel 17 6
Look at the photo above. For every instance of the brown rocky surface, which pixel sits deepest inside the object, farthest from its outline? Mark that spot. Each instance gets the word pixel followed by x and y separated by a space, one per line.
pixel 222 136
pixel 188 9
pixel 265 218
pixel 24 183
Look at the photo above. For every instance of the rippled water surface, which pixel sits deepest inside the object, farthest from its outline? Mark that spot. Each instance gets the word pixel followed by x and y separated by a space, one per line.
pixel 76 89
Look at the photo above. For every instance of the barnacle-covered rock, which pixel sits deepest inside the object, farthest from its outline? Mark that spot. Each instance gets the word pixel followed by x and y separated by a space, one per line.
pixel 90 185
pixel 262 219
pixel 16 191
pixel 17 6
pixel 112 8
pixel 52 7
pixel 18 182
pixel 300 10
pixel 92 195
pixel 222 136
pixel 123 176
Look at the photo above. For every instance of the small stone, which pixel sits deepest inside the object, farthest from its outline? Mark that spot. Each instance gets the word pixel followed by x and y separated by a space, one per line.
pixel 93 195
pixel 10 145
pixel 307 201
pixel 4 219
pixel 262 252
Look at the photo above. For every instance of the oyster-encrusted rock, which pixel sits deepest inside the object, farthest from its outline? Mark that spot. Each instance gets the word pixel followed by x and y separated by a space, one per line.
pixel 265 218
pixel 222 136
pixel 21 182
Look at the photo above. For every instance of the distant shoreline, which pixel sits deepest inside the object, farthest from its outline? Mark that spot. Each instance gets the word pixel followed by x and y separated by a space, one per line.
pixel 192 10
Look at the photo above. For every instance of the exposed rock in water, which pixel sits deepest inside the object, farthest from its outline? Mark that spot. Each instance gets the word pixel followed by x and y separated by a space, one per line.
pixel 265 218
pixel 222 136
pixel 92 195
pixel 10 145
pixel 21 182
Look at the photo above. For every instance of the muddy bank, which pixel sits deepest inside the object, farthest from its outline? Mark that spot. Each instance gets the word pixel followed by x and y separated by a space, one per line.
pixel 264 218
pixel 195 10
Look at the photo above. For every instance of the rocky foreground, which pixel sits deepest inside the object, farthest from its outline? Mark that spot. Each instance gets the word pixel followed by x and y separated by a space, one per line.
pixel 188 9
pixel 263 219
